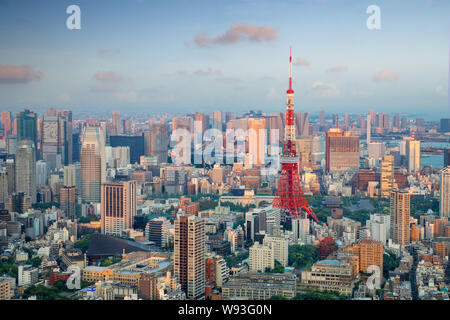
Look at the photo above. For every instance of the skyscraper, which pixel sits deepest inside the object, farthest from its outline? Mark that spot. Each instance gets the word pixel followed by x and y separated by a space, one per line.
pixel 116 123
pixel 26 169
pixel 444 204
pixel 27 126
pixel 68 201
pixel 118 207
pixel 11 171
pixel 257 139
pixel 342 152
pixel 400 216
pixel 302 123
pixel 157 142
pixel 6 123
pixel 322 118
pixel 413 155
pixel 387 176
pixel 190 254
pixel 92 164
pixel 217 120
pixel 135 143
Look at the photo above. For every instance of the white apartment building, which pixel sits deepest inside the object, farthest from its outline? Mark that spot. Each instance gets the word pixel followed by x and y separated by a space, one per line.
pixel 261 257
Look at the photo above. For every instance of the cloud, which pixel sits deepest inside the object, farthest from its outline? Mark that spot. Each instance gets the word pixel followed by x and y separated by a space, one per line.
pixel 325 89
pixel 337 69
pixel 208 72
pixel 106 81
pixel 10 74
pixel 384 75
pixel 239 33
pixel 301 62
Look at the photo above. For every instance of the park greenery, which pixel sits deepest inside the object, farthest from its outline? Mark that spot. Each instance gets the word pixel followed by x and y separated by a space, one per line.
pixel 233 260
pixel 390 263
pixel 89 218
pixel 207 204
pixel 58 291
pixel 237 207
pixel 8 267
pixel 45 206
pixel 278 268
pixel 84 242
pixel 109 261
pixel 302 256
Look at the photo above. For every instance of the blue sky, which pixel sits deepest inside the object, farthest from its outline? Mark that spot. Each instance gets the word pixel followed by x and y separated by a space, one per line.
pixel 142 55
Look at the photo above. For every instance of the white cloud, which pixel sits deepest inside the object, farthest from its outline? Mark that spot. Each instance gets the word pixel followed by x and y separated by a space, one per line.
pixel 325 89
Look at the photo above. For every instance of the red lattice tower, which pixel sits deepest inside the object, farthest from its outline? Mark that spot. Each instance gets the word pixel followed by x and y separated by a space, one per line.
pixel 289 196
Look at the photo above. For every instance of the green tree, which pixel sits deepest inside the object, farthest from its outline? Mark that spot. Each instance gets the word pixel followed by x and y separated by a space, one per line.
pixel 83 243
pixel 35 262
pixel 302 256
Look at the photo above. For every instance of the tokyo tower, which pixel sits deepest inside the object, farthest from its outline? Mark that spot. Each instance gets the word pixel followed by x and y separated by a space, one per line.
pixel 289 196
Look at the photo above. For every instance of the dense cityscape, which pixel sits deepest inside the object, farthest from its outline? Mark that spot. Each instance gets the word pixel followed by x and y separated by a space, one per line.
pixel 140 219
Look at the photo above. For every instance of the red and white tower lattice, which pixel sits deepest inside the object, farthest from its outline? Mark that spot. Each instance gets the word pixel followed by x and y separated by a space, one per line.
pixel 289 196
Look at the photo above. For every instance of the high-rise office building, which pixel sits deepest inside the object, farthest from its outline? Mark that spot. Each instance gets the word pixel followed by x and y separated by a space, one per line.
pixel 368 128
pixel 444 125
pixel 135 143
pixel 300 229
pixel 190 255
pixel 342 152
pixel 304 151
pixel 387 176
pixel 396 123
pixel 6 123
pixel 92 164
pixel 446 157
pixel 11 171
pixel 118 207
pixel 400 217
pixel 157 142
pixel 68 201
pixel 3 185
pixel 379 226
pixel 201 122
pixel 41 174
pixel 116 123
pixel 157 230
pixel 217 120
pixel 322 118
pixel 26 169
pixel 257 140
pixel 302 124
pixel 27 126
pixel 444 204
pixel 66 136
pixel 413 155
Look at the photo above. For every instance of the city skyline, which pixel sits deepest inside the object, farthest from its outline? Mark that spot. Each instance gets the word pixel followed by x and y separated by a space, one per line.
pixel 180 57
pixel 160 152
